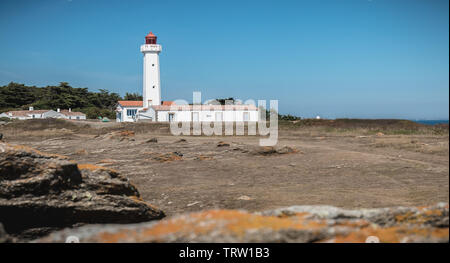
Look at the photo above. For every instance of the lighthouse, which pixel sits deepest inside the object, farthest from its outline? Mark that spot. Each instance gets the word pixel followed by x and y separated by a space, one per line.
pixel 151 108
pixel 151 89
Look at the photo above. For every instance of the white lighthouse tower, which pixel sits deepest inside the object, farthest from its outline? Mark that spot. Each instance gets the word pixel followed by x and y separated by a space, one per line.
pixel 151 90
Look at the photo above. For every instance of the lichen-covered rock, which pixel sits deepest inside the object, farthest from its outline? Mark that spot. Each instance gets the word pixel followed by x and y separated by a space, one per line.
pixel 434 216
pixel 293 224
pixel 40 193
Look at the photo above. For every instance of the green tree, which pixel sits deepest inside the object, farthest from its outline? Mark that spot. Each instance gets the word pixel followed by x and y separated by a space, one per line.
pixel 15 96
pixel 132 96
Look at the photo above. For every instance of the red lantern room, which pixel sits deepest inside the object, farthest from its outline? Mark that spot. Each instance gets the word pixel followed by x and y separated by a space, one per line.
pixel 150 39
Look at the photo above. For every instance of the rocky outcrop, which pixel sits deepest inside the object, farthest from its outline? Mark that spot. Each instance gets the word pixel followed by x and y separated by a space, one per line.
pixel 270 150
pixel 223 144
pixel 152 140
pixel 121 135
pixel 165 157
pixel 40 193
pixel 432 216
pixel 292 224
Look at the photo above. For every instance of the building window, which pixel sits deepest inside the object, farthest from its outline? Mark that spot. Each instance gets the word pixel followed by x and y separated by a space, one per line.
pixel 171 116
pixel 131 113
pixel 246 116
pixel 153 65
pixel 153 86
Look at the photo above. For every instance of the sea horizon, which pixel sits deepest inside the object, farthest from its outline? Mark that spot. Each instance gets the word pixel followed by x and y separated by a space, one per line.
pixel 431 122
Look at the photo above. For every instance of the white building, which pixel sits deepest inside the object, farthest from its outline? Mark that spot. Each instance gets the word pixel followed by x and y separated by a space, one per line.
pixel 127 110
pixel 151 108
pixel 72 115
pixel 43 114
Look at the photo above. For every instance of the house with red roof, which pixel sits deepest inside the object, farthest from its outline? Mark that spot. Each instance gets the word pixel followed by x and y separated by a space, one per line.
pixel 127 110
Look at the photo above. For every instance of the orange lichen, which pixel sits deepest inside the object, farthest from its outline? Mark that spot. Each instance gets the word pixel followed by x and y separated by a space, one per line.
pixel 220 221
pixel 434 212
pixel 418 218
pixel 92 167
pixel 289 214
pixel 127 133
pixel 167 157
pixel 118 237
pixel 267 150
pixel 238 224
pixel 138 199
pixel 404 217
pixel 353 223
pixel 32 150
pixel 392 234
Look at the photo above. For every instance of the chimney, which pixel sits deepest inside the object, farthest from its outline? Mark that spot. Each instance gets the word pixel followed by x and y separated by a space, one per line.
pixel 58 110
pixel 31 108
pixel 70 110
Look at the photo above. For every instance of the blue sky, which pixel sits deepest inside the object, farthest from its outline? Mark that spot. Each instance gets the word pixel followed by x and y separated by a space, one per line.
pixel 336 58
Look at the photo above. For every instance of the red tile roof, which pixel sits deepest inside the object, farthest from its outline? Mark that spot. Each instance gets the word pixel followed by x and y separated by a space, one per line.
pixel 131 103
pixel 168 103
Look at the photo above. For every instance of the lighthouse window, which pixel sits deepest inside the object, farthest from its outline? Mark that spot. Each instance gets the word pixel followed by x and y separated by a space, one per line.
pixel 153 65
pixel 153 86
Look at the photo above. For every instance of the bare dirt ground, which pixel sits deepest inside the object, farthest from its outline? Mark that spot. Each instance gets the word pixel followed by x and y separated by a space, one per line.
pixel 351 168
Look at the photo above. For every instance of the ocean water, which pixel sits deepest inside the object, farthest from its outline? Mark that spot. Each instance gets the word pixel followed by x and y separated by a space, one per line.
pixel 431 122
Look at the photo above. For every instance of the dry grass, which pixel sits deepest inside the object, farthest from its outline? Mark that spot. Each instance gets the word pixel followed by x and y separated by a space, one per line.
pixel 346 165
pixel 412 144
pixel 365 127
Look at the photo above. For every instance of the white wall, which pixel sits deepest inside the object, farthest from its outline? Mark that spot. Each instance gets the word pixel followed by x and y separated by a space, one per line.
pixel 52 114
pixel 162 116
pixel 81 117
pixel 148 115
pixel 208 115
pixel 125 117
pixel 28 117
pixel 119 114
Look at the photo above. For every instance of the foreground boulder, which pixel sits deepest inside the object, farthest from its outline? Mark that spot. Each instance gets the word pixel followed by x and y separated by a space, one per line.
pixel 292 224
pixel 42 192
